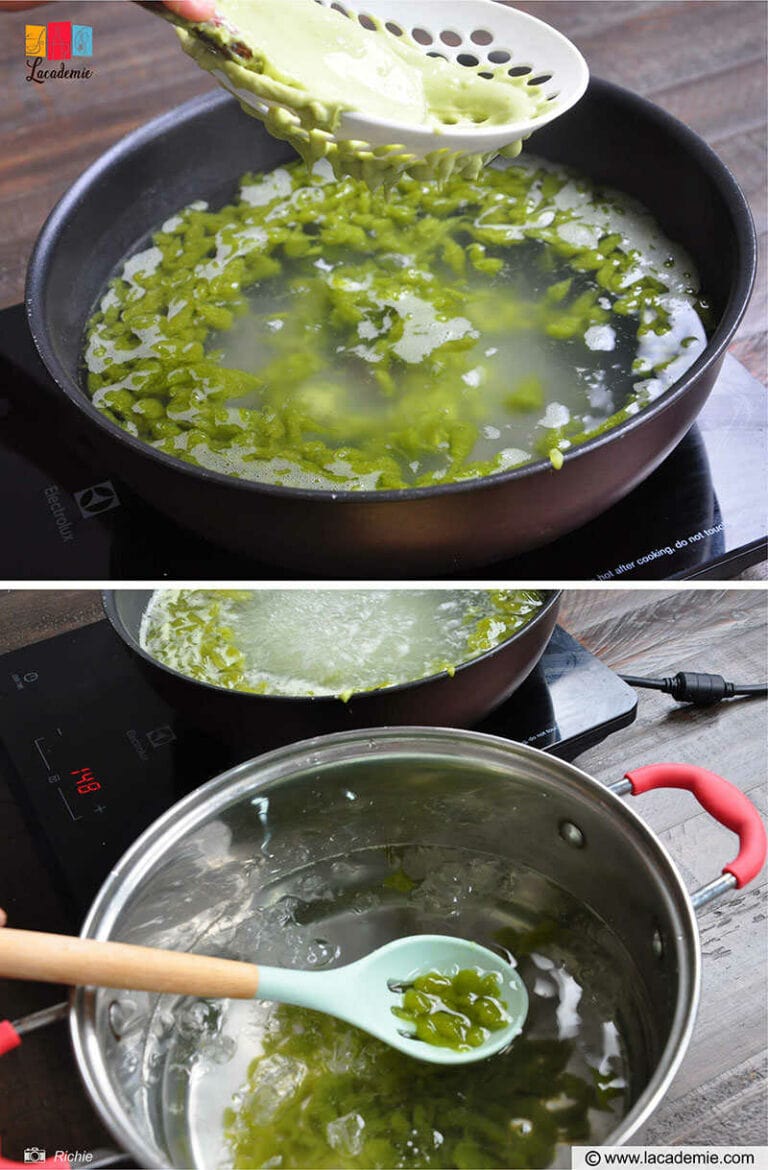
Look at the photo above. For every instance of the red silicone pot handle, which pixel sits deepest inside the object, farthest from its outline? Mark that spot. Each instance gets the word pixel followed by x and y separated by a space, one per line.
pixel 722 800
pixel 9 1039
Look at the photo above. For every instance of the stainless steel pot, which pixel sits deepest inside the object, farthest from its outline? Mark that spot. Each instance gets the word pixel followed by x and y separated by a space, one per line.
pixel 219 865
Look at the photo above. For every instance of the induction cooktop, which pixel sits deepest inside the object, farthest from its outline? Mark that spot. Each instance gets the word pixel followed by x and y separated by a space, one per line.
pixel 93 755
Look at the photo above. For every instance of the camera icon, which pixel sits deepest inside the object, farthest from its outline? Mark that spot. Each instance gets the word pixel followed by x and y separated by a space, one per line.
pixel 34 1154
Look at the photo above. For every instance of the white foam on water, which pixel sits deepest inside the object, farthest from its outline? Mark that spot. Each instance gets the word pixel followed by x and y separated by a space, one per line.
pixel 275 184
pixel 600 337
pixel 327 642
pixel 142 264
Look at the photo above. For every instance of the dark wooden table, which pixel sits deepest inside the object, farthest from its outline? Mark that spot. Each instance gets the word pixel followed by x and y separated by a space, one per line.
pixel 719 1094
pixel 703 60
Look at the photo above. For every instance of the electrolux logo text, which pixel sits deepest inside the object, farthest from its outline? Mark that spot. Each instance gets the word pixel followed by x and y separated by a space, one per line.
pixel 61 41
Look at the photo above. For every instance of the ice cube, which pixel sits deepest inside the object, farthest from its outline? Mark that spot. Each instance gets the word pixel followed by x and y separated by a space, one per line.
pixel 278 1079
pixel 345 1134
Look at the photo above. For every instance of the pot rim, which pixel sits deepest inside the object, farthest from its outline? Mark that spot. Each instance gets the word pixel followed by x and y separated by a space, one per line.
pixel 108 597
pixel 276 766
pixel 689 142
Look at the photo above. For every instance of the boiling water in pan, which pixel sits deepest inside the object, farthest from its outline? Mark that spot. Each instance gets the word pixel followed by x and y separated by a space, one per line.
pixel 568 1079
pixel 327 641
pixel 587 382
pixel 315 335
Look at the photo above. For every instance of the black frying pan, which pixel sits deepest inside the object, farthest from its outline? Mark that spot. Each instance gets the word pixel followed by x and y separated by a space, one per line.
pixel 199 151
pixel 262 721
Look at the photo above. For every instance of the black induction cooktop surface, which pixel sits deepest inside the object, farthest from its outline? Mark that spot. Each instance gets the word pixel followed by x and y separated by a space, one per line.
pixel 93 755
pixel 67 517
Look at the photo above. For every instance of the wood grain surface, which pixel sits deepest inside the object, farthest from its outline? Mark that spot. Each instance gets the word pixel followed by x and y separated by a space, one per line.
pixel 703 60
pixel 719 1094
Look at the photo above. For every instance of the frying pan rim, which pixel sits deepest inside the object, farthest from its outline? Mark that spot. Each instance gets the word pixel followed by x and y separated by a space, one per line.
pixel 733 312
pixel 108 598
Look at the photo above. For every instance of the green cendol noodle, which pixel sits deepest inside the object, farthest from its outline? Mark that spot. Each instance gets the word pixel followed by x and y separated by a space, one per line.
pixel 320 335
pixel 458 1010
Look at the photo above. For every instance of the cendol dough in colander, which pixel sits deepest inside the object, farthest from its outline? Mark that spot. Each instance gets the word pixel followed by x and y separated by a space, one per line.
pixel 320 64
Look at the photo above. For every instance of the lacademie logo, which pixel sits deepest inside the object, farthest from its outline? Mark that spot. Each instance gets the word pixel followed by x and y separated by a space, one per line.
pixel 59 40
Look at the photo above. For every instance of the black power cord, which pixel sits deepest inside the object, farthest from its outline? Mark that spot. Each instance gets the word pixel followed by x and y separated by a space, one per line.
pixel 700 689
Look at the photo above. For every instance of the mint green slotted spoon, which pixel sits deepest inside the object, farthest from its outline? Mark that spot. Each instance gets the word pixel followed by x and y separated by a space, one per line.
pixel 362 993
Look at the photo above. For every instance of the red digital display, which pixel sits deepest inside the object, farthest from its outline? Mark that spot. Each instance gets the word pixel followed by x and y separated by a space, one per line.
pixel 85 781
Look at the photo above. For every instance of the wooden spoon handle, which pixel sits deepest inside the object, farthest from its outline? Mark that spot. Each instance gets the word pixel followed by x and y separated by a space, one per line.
pixel 62 958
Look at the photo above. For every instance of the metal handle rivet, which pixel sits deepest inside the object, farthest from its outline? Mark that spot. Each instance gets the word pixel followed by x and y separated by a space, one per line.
pixel 572 834
pixel 114 1017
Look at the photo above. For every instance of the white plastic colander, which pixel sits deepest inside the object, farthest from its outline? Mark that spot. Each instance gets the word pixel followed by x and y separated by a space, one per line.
pixel 486 36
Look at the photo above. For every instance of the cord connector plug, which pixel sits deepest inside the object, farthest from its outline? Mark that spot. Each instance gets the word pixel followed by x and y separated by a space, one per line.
pixel 702 690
